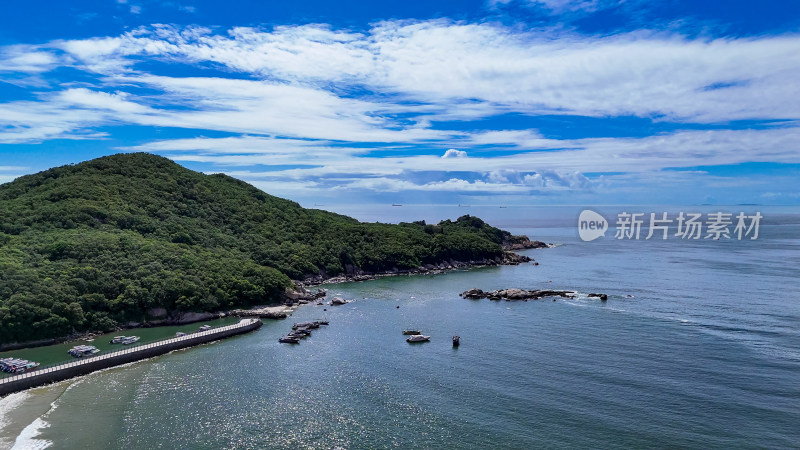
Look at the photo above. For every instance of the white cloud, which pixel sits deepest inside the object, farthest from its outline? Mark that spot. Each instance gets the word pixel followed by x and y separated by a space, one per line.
pixel 453 153
pixel 322 99
pixel 642 73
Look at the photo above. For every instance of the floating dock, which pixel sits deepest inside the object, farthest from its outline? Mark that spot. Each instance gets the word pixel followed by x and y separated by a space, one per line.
pixel 91 364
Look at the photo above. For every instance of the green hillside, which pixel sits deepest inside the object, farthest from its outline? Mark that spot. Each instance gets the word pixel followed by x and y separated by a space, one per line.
pixel 87 246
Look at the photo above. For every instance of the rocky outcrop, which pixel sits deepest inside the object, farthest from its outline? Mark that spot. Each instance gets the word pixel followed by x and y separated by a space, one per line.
pixel 515 294
pixel 523 243
pixel 522 294
pixel 298 293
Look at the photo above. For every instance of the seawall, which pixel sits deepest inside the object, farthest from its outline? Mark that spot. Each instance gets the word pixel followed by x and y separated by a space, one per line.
pixel 84 366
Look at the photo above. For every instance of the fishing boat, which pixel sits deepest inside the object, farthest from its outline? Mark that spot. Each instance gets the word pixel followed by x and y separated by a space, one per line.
pixel 456 340
pixel 411 332
pixel 418 338
pixel 289 340
pixel 79 351
pixel 15 365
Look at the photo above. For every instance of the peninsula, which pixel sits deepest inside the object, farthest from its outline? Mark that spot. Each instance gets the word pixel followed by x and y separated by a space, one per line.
pixel 138 239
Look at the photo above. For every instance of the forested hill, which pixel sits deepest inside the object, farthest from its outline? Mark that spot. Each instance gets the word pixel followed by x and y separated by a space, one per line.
pixel 87 246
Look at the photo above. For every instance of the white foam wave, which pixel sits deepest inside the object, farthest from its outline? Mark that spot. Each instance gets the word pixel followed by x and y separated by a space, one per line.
pixel 27 439
pixel 9 404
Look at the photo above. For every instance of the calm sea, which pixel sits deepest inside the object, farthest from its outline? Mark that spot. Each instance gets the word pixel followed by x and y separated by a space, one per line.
pixel 697 346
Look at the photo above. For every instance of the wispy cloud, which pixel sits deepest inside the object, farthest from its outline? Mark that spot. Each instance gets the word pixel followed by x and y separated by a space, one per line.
pixel 378 108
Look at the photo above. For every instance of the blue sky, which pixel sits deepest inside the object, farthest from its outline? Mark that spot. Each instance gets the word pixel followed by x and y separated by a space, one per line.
pixel 496 102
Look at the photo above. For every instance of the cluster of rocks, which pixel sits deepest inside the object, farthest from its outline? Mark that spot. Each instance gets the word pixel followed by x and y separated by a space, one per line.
pixel 515 294
pixel 300 295
pixel 522 294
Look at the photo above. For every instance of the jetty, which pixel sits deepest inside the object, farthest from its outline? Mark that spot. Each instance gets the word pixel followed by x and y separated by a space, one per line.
pixel 89 364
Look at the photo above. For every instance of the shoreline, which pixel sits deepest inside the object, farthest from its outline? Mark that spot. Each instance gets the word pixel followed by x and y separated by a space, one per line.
pixel 284 309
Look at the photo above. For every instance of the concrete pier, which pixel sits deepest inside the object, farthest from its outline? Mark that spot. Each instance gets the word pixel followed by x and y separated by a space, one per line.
pixel 87 365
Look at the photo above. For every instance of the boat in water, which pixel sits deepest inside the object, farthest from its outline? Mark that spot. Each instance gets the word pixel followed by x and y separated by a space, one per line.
pixel 130 340
pixel 118 339
pixel 205 328
pixel 418 338
pixel 15 365
pixel 180 334
pixel 289 340
pixel 411 332
pixel 79 351
pixel 338 301
pixel 456 340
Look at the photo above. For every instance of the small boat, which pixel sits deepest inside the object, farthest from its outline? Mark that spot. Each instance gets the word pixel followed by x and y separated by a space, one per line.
pixel 118 339
pixel 79 351
pixel 289 340
pixel 456 340
pixel 418 338
pixel 338 301
pixel 322 322
pixel 180 334
pixel 130 340
pixel 411 332
pixel 15 365
pixel 205 328
pixel 396 204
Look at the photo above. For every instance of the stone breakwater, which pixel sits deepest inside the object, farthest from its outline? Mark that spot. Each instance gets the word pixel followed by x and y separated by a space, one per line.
pixel 88 365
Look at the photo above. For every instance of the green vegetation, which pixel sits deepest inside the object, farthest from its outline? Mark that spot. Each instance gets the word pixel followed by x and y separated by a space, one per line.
pixel 88 246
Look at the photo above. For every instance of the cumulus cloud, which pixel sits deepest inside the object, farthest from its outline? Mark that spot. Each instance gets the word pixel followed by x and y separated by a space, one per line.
pixel 453 153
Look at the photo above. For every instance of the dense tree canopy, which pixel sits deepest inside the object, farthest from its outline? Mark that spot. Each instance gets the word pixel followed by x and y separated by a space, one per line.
pixel 87 246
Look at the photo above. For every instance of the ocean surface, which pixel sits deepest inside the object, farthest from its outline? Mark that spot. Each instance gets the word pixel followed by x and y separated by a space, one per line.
pixel 698 346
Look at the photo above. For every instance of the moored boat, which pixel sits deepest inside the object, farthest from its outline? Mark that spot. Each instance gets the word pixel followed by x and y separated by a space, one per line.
pixel 289 340
pixel 15 365
pixel 418 338
pixel 79 351
pixel 130 340
pixel 118 339
pixel 411 332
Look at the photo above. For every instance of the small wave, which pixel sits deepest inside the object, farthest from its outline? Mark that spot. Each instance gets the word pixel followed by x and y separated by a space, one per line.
pixel 9 404
pixel 27 439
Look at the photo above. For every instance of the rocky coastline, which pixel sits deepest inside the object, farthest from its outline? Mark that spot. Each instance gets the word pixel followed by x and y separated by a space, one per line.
pixel 508 258
pixel 300 293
